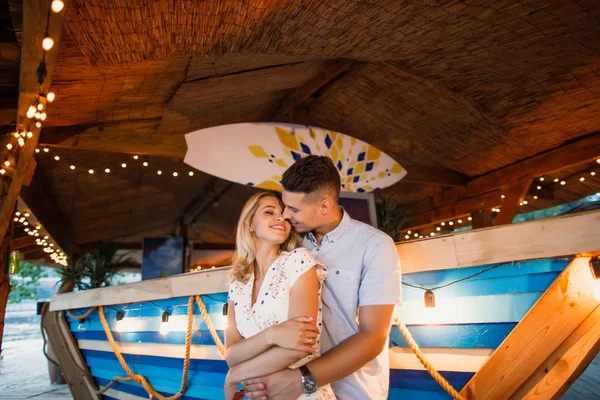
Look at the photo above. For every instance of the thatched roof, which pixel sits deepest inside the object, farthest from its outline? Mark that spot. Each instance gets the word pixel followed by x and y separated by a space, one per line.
pixel 454 89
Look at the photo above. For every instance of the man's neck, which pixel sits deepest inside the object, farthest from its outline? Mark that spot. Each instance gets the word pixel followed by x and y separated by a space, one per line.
pixel 320 232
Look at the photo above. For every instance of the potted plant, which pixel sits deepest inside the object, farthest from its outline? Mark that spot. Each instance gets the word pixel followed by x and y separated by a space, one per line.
pixel 389 218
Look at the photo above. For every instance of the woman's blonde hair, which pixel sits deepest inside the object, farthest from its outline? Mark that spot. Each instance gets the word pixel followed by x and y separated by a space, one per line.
pixel 244 258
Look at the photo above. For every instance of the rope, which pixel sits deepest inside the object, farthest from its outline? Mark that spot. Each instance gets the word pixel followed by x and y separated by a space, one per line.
pixel 140 379
pixel 432 371
pixel 81 316
pixel 210 326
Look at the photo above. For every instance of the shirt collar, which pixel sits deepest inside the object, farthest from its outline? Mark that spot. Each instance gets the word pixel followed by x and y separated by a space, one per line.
pixel 337 232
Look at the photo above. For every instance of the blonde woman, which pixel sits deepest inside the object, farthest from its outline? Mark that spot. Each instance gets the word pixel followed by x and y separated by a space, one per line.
pixel 274 299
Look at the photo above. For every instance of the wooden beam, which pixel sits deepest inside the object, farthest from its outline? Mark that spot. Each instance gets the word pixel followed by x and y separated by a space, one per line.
pixel 34 25
pixel 215 190
pixel 435 176
pixel 300 94
pixel 22 242
pixel 556 315
pixel 513 200
pixel 482 219
pixel 551 237
pixel 553 378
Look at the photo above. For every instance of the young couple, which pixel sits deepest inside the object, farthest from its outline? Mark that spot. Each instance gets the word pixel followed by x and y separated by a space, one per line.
pixel 334 296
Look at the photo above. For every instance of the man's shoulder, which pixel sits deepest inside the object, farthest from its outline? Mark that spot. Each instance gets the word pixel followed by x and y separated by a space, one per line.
pixel 367 232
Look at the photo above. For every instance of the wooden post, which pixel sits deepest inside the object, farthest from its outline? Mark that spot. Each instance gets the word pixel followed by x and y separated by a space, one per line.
pixel 482 218
pixel 4 277
pixel 557 315
pixel 513 200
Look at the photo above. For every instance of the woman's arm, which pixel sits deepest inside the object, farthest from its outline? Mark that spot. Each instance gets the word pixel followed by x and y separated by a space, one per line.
pixel 238 349
pixel 304 301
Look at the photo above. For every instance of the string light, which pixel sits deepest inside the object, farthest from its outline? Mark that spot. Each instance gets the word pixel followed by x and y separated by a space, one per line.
pixel 191 173
pixel 502 196
pixel 535 197
pixel 56 158
pixel 542 179
pixel 91 171
pixel 563 183
pixel 7 163
pixel 9 146
pixel 407 237
pixel 593 173
pixel 539 188
pixel 46 149
pixel 145 164
pixel 409 232
pixel 38 124
pixel 443 223
pixel 57 6
pixel 29 136
pixel 450 223
pixel 524 201
pixel 40 107
pixel 21 142
pixel 416 235
pixel 582 179
pixel 438 229
pixel 47 43
pixel 598 160
pixel 175 174
pixel 124 165
pixel 460 221
pixel 556 180
pixel 50 97
pixel 470 218
pixel 107 170
pixel 159 172
pixel 165 326
pixel 72 167
pixel 135 157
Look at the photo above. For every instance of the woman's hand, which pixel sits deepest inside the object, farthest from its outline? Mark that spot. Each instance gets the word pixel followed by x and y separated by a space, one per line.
pixel 298 333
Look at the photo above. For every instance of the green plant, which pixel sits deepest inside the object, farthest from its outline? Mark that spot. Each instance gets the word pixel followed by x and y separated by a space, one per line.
pixel 73 274
pixel 26 282
pixel 389 218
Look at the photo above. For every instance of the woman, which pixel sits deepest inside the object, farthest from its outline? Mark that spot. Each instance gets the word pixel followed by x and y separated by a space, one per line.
pixel 274 298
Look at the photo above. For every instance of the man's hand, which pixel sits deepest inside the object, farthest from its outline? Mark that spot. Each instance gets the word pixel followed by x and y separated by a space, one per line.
pixel 282 385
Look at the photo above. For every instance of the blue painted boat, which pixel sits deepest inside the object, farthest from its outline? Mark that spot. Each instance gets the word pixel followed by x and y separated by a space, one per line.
pixel 472 318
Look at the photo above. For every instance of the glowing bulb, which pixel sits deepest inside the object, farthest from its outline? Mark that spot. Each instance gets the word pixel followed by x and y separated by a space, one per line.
pixel 535 197
pixel 51 244
pixel 47 43
pixel 43 116
pixel 145 164
pixel 46 150
pixel 416 235
pixel 470 218
pixel 582 179
pixel 21 141
pixel 50 97
pixel 91 171
pixel 459 221
pixel 407 237
pixel 9 146
pixel 598 160
pixel 46 237
pixel 450 223
pixel 16 219
pixel 191 173
pixel 30 135
pixel 37 150
pixel 7 163
pixel 135 157
pixel 521 203
pixel 31 112
pixel 438 229
pixel 57 6
pixel 38 227
pixel 26 229
pixel 124 165
pixel 556 180
pixel 542 179
pixel 409 232
pixel 56 158
pixel 31 109
pixel 563 183
pixel 165 325
pixel 40 107
pixel 17 213
pixel 502 196
pixel 432 234
pixel 524 201
pixel 159 172
pixel 443 224
pixel 593 173
pixel 38 124
pixel 175 174
pixel 107 170
pixel 2 171
pixel 72 167
pixel 25 223
pixel 539 188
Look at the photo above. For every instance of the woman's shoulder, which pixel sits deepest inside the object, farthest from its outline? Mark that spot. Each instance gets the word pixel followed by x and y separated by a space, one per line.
pixel 297 254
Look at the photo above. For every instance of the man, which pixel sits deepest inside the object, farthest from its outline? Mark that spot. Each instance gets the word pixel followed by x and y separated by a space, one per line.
pixel 359 295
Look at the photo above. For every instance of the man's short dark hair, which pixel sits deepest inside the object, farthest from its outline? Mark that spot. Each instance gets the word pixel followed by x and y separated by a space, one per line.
pixel 310 174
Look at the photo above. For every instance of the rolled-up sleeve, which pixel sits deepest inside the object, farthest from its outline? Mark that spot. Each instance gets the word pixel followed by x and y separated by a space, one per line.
pixel 381 273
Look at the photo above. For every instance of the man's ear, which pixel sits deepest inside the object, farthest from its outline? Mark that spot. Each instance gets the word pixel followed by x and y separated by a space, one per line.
pixel 326 205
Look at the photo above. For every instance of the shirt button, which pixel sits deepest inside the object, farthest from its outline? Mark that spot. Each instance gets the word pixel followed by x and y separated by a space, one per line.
pixel 337 272
pixel 318 249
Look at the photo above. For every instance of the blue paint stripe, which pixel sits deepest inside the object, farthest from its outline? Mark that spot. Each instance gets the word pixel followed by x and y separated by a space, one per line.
pixel 421 380
pixel 166 387
pixel 462 336
pixel 171 362
pixel 148 324
pixel 516 269
pixel 198 337
pixel 137 390
pixel 408 394
pixel 159 371
pixel 485 287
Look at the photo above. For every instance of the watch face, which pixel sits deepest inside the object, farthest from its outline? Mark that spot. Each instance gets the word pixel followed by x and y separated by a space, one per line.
pixel 309 384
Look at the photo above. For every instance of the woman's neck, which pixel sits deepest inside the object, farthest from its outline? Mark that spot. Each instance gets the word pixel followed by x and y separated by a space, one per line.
pixel 266 253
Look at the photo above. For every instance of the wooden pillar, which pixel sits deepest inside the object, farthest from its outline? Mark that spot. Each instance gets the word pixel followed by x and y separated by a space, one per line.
pixel 4 277
pixel 513 200
pixel 482 218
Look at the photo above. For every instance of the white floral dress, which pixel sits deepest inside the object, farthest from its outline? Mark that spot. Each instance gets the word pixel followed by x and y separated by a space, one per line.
pixel 273 300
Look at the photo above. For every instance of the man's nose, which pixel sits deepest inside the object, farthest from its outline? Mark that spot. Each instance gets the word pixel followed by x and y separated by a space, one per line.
pixel 286 214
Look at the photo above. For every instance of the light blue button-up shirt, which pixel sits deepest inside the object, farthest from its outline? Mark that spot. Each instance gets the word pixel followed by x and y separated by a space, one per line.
pixel 364 270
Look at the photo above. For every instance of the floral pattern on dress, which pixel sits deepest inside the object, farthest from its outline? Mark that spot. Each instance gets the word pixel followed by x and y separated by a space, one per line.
pixel 273 299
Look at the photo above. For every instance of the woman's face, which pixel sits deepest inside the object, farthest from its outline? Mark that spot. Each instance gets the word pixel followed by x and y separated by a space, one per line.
pixel 268 223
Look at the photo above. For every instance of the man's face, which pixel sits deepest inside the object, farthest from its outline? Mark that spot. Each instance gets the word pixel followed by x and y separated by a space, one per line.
pixel 301 211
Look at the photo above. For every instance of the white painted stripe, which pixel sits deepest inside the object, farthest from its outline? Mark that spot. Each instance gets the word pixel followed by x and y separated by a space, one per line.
pixel 197 351
pixel 468 310
pixel 458 360
pixel 177 323
pixel 462 360
pixel 117 394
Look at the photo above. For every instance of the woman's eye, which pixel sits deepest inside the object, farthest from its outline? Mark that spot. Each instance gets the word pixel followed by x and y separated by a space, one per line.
pixel 269 212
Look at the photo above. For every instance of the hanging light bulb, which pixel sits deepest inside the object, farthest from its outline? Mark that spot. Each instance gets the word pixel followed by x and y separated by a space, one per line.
pixel 72 167
pixel 30 112
pixel 135 157
pixel 17 135
pixel 38 227
pixel 524 201
pixel 535 197
pixel 407 237
pixel 145 164
pixel 542 179
pixel 46 149
pixel 40 107
pixel 443 224
pixel 429 299
pixel 43 116
pixel 91 171
pixel 57 6
pixel 21 141
pixel 450 223
pixel 175 174
pixel 159 172
pixel 539 188
pixel 25 223
pixel 7 163
pixel 438 229
pixel 38 124
pixel 563 183
pixel 582 179
pixel 29 136
pixel 502 196
pixel 459 221
pixel 107 170
pixel 409 232
pixel 416 235
pixel 124 165
pixel 470 218
pixel 9 146
pixel 47 43
pixel 37 150
pixel 2 171
pixel 119 326
pixel 56 158
pixel 191 173
pixel 593 173
pixel 50 97
pixel 165 326
pixel 555 180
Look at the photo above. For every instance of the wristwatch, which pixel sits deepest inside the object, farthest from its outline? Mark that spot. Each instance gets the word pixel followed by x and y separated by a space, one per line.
pixel 309 382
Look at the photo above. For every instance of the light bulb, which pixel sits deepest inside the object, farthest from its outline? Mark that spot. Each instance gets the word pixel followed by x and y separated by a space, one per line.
pixel 7 163
pixel 145 164
pixel 57 6
pixel 539 188
pixel 31 109
pixel 593 173
pixel 26 229
pixel 582 179
pixel 107 170
pixel 43 116
pixel 159 172
pixel 175 174
pixel 416 235
pixel 72 167
pixel 124 165
pixel 40 107
pixel 91 171
pixel 460 221
pixel 443 224
pixel 30 135
pixel 432 234
pixel 470 218
pixel 46 149
pixel 556 180
pixel 563 183
pixel 135 157
pixel 25 223
pixel 50 97
pixel 535 197
pixel 450 223
pixel 38 227
pixel 542 179
pixel 2 171
pixel 165 326
pixel 47 43
pixel 37 150
pixel 502 196
pixel 46 237
pixel 438 229
pixel 191 173
pixel 38 124
pixel 22 134
pixel 407 237
pixel 21 142
pixel 598 160
pixel 56 158
pixel 16 219
pixel 17 213
pixel 26 214
pixel 409 232
pixel 524 201
pixel 9 146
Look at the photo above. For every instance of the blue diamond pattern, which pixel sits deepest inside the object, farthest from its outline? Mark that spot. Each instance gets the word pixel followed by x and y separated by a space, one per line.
pixel 369 166
pixel 350 170
pixel 328 141
pixel 339 165
pixel 295 155
pixel 361 156
pixel 305 148
pixel 360 190
pixel 250 184
pixel 356 179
